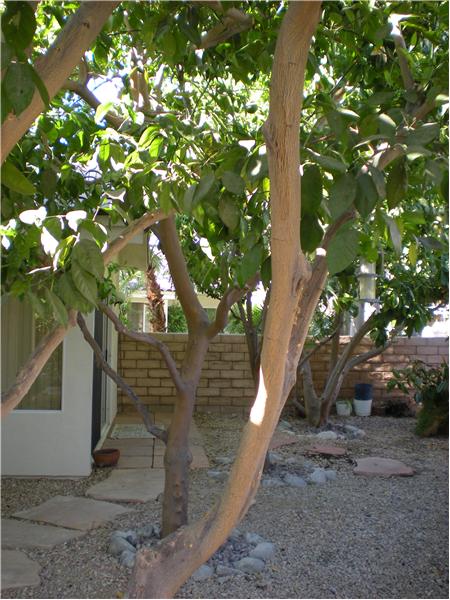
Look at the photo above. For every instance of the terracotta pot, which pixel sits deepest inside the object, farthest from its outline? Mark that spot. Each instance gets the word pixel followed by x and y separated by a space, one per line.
pixel 107 457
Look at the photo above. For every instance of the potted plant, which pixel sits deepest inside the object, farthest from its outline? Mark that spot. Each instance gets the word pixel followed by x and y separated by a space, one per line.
pixel 344 408
pixel 362 402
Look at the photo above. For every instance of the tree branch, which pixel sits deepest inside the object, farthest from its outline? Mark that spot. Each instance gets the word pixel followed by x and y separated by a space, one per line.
pixel 101 362
pixel 231 296
pixel 148 339
pixel 168 236
pixel 90 98
pixel 233 22
pixel 56 66
pixel 38 359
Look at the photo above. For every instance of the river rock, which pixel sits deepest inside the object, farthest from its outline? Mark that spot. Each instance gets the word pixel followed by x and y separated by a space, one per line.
pixel 203 572
pixel 253 538
pixel 295 480
pixel 224 571
pixel 327 435
pixel 250 565
pixel 217 475
pixel 330 474
pixel 119 544
pixel 354 432
pixel 318 476
pixel 272 482
pixel 146 532
pixel 263 551
pixel 127 559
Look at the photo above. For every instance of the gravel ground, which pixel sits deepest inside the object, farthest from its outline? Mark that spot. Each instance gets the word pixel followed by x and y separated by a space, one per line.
pixel 355 537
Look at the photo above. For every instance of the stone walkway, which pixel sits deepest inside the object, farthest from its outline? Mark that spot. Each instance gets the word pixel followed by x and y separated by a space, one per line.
pixel 139 477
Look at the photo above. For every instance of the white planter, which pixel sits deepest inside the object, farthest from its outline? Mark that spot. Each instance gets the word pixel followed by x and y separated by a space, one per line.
pixel 363 408
pixel 343 408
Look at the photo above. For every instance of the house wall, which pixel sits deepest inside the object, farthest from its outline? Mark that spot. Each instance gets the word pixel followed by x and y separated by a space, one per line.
pixel 55 443
pixel 226 383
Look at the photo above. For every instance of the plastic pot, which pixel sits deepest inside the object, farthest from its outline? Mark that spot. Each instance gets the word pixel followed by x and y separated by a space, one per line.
pixel 363 391
pixel 106 457
pixel 363 408
pixel 343 408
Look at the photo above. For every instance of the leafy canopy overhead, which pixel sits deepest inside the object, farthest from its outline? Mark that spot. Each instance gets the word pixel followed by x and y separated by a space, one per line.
pixel 179 127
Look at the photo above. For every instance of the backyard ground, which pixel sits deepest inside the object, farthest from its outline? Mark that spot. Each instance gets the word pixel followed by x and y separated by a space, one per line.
pixel 354 537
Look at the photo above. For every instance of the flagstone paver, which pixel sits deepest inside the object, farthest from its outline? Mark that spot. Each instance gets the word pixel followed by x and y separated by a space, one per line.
pixel 18 534
pixel 18 570
pixel 373 466
pixel 129 485
pixel 73 512
pixel 327 450
pixel 135 462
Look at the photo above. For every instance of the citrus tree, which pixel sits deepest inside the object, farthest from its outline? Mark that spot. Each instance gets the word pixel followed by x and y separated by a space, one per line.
pixel 193 145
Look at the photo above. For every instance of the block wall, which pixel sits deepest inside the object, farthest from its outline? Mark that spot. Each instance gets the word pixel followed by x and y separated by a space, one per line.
pixel 226 383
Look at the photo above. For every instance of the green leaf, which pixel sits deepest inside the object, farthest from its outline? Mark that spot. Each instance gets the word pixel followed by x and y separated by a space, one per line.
pixel 395 234
pixel 88 256
pixel 233 182
pixel 19 24
pixel 229 212
pixel 250 264
pixel 37 305
pixel 378 180
pixel 16 181
pixel 40 85
pixel 342 195
pixel 310 233
pixel 205 184
pixel 188 198
pixel 397 184
pixel 422 135
pixel 328 162
pixel 165 199
pixel 342 250
pixel 19 86
pixel 386 125
pixel 49 181
pixel 71 296
pixel 97 230
pixel 380 98
pixel 312 189
pixel 84 282
pixel 367 195
pixel 58 308
pixel 103 152
pixel 147 137
pixel 6 55
pixel 413 254
pixel 266 272
pixel 102 110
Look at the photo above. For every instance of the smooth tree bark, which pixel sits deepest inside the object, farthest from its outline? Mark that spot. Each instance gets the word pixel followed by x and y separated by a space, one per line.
pixel 58 63
pixel 159 573
pixel 201 331
pixel 29 372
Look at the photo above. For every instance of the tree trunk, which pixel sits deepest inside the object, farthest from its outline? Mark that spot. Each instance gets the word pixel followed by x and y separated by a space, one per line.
pixel 155 300
pixel 311 399
pixel 177 458
pixel 160 573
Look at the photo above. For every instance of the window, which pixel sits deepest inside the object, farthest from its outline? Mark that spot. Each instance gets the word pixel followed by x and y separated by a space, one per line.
pixel 20 334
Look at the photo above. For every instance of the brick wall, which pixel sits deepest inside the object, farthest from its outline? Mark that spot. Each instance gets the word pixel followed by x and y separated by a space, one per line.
pixel 227 385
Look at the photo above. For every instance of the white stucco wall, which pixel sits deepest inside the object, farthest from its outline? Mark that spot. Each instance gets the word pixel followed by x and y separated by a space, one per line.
pixel 55 443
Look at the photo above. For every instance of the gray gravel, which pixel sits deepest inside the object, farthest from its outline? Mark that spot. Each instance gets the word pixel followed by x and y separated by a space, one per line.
pixel 353 537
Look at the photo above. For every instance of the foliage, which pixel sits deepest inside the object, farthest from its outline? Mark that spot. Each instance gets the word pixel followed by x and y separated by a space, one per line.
pixel 235 324
pixel 431 391
pixel 176 321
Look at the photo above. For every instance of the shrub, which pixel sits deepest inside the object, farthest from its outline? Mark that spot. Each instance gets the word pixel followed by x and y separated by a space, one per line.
pixel 431 392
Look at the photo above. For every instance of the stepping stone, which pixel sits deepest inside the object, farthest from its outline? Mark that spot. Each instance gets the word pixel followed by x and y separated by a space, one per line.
pixel 129 485
pixel 17 534
pixel 73 512
pixel 280 438
pixel 135 462
pixel 327 450
pixel 384 467
pixel 18 570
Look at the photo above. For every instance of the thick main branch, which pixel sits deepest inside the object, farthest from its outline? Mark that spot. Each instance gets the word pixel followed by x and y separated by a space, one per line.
pixel 56 66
